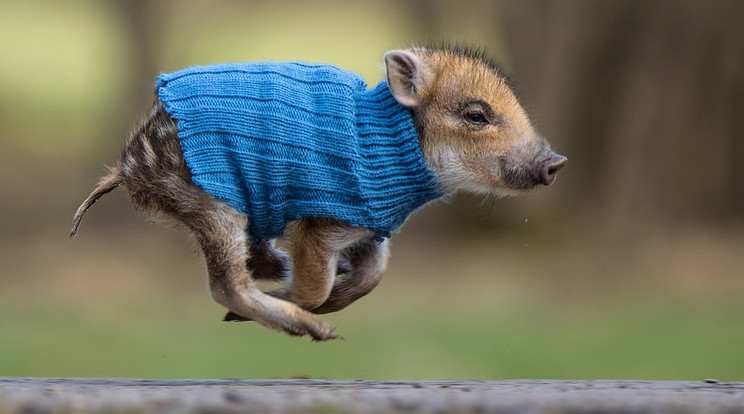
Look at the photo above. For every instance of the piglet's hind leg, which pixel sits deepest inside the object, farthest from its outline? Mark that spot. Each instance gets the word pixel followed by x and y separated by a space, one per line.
pixel 221 234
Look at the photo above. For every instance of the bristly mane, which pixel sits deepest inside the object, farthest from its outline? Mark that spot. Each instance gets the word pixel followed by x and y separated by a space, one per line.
pixel 472 52
pixel 477 53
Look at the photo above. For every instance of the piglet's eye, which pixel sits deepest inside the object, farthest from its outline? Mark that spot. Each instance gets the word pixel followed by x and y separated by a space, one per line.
pixel 476 113
pixel 476 118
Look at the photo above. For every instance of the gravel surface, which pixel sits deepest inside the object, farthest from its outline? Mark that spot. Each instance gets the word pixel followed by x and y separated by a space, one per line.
pixel 102 395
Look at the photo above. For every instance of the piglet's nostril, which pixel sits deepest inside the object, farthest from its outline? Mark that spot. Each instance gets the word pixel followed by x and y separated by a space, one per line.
pixel 551 167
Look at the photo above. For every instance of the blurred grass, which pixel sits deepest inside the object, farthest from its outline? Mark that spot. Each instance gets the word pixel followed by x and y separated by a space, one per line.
pixel 657 339
pixel 123 308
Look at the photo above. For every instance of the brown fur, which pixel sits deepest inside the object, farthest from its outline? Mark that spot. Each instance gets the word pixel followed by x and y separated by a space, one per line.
pixel 474 135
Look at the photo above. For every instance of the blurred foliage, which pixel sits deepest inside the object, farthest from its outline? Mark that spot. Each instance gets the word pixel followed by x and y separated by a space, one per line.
pixel 647 96
pixel 629 266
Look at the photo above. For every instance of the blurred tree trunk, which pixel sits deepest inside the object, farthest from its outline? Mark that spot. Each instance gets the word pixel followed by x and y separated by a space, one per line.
pixel 141 20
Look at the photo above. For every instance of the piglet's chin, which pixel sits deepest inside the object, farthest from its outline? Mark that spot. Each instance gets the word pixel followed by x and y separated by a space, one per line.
pixel 507 192
pixel 517 179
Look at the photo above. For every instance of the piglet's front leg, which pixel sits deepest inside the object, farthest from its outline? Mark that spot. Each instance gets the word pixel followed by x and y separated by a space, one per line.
pixel 315 246
pixel 365 262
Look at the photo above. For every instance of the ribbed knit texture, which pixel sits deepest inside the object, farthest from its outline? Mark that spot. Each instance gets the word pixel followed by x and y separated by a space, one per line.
pixel 282 141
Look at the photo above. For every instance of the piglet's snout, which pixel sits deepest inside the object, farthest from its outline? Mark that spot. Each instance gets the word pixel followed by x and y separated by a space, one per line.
pixel 550 167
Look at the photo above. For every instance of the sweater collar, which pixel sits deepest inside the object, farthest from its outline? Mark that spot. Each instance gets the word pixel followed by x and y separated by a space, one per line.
pixel 394 175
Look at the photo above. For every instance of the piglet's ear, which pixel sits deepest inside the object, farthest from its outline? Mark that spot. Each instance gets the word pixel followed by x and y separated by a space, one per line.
pixel 406 77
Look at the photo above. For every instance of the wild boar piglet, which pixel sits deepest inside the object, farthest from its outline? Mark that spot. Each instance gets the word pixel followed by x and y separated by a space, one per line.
pixel 241 155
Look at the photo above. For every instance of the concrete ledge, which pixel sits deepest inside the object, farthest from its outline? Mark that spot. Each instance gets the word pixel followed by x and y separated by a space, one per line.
pixel 78 395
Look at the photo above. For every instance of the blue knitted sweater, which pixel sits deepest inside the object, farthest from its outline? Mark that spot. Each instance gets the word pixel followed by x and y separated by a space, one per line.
pixel 282 141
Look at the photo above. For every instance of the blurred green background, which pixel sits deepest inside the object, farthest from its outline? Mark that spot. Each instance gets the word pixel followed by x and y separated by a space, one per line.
pixel 630 266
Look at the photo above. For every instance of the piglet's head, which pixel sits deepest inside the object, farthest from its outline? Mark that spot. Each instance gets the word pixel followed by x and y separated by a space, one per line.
pixel 474 134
